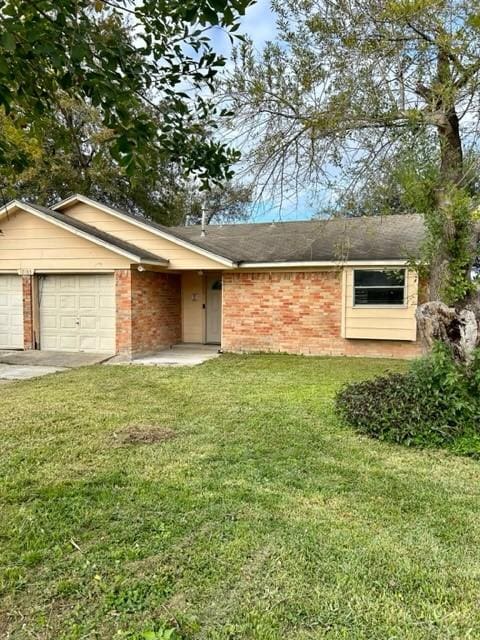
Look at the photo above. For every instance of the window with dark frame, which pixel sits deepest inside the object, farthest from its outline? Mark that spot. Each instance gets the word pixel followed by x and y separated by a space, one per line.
pixel 379 287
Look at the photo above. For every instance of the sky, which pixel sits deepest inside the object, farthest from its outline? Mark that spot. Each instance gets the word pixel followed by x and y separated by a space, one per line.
pixel 259 25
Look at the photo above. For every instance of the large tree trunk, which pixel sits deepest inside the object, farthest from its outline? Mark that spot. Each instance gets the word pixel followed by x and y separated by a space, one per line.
pixel 451 173
pixel 457 325
pixel 458 329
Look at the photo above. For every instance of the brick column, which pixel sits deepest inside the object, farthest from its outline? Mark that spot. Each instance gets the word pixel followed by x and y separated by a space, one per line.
pixel 123 296
pixel 28 334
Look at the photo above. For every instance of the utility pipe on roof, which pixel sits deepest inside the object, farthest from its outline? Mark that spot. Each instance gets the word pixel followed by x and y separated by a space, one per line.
pixel 204 221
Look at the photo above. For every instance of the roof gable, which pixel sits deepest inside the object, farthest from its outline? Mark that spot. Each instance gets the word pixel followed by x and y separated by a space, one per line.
pixel 96 236
pixel 160 230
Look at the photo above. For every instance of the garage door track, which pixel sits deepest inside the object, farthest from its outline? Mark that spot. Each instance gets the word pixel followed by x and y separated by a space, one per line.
pixel 21 365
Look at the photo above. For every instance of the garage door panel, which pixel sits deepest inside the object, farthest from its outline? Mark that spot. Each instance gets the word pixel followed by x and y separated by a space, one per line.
pixel 68 343
pixel 50 322
pixel 11 312
pixel 48 301
pixel 67 322
pixel 67 282
pixel 79 315
pixel 16 322
pixel 68 302
pixel 88 322
pixel 89 343
pixel 103 345
pixel 88 302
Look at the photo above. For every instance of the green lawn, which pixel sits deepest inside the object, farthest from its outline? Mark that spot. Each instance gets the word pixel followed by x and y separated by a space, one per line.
pixel 262 518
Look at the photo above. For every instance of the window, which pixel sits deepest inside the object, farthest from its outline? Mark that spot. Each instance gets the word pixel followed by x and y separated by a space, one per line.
pixel 217 285
pixel 379 287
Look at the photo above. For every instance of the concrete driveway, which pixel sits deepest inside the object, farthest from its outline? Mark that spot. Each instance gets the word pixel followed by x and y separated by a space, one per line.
pixel 22 365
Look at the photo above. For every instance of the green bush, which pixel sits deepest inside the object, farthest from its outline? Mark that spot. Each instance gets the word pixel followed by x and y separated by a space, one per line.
pixel 436 401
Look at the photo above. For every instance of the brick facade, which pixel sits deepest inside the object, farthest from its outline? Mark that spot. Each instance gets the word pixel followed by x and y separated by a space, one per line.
pixel 148 311
pixel 28 321
pixel 294 312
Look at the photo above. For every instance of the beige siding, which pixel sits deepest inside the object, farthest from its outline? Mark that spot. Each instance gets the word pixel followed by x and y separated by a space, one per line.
pixel 180 257
pixel 193 299
pixel 379 322
pixel 28 242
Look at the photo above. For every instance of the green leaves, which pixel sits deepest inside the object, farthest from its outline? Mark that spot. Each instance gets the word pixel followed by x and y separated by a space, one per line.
pixel 100 58
pixel 8 41
pixel 432 404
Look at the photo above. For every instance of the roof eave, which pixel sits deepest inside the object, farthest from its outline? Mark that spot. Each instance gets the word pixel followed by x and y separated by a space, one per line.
pixel 322 263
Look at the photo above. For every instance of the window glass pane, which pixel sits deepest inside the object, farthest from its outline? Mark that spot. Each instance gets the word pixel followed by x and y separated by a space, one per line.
pixel 372 278
pixel 364 295
pixel 217 285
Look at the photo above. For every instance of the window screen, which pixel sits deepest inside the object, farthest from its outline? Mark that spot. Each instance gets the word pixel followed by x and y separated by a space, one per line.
pixel 379 287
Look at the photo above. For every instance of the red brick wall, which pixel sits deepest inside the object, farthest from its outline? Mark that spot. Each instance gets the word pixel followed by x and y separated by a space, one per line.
pixel 156 310
pixel 123 298
pixel 28 334
pixel 294 312
pixel 148 311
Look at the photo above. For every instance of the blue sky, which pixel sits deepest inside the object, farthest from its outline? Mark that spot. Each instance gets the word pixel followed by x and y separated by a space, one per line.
pixel 259 24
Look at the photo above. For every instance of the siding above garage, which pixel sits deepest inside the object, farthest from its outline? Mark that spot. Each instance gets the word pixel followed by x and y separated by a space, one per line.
pixel 180 258
pixel 28 242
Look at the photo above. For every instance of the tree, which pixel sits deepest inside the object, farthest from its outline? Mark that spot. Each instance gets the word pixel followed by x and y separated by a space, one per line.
pixel 404 182
pixel 127 59
pixel 351 82
pixel 72 155
pixel 222 205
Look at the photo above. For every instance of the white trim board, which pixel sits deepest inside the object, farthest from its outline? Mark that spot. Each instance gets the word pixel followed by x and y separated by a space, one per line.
pixel 324 263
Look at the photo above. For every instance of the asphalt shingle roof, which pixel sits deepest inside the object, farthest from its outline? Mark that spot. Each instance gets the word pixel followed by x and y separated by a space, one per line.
pixel 392 237
pixel 337 239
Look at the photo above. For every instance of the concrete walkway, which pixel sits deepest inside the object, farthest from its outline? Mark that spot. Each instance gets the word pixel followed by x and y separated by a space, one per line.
pixel 181 355
pixel 22 365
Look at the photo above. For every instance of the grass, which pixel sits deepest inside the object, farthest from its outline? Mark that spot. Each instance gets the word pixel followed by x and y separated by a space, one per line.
pixel 262 518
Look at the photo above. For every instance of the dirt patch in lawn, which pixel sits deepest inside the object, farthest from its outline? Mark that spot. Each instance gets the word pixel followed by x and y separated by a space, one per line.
pixel 144 434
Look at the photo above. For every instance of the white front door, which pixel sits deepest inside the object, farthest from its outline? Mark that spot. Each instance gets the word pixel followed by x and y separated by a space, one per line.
pixel 77 313
pixel 11 312
pixel 214 309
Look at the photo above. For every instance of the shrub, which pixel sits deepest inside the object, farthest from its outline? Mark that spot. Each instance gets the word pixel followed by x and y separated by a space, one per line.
pixel 433 403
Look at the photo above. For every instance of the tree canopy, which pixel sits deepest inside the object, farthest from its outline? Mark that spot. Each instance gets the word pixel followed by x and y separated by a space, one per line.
pixel 71 154
pixel 128 59
pixel 348 85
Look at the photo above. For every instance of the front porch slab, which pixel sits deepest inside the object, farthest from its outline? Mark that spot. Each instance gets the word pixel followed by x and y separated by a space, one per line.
pixel 181 355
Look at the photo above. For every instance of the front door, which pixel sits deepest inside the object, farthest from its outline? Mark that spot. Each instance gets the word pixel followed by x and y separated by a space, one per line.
pixel 214 309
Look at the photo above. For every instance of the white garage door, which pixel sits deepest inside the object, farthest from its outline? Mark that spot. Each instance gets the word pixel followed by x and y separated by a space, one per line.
pixel 77 313
pixel 11 312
